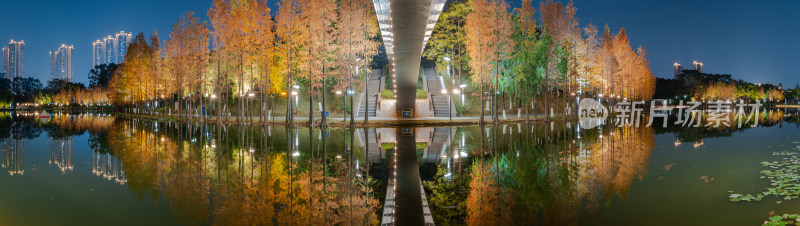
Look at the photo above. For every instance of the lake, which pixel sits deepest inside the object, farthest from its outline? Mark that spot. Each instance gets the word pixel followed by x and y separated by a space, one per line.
pixel 99 169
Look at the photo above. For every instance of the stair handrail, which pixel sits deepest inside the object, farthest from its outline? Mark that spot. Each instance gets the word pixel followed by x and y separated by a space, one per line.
pixel 380 96
pixel 426 86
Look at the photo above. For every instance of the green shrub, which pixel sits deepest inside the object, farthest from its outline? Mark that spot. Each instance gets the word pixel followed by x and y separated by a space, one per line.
pixel 388 83
pixel 387 146
pixel 387 94
pixel 421 145
pixel 422 94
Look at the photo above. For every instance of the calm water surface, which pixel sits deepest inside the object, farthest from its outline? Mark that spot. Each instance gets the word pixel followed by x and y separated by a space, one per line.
pixel 84 169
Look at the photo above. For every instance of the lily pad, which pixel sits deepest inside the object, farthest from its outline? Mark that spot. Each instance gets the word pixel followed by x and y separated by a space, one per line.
pixel 783 176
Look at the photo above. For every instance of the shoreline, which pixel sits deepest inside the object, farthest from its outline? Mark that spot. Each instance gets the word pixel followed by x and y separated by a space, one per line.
pixel 359 123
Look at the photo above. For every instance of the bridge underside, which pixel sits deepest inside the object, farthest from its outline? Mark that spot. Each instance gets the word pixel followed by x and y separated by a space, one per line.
pixel 405 28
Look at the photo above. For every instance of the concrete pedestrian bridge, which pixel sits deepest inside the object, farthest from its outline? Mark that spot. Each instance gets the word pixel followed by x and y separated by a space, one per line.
pixel 406 26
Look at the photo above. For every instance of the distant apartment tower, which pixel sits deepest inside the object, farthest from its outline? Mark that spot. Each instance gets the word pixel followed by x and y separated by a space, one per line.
pixel 698 66
pixel 61 63
pixel 678 68
pixel 111 49
pixel 14 59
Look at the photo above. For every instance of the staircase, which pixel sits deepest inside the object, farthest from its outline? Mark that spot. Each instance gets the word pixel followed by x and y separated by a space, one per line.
pixel 438 145
pixel 440 103
pixel 369 102
pixel 371 138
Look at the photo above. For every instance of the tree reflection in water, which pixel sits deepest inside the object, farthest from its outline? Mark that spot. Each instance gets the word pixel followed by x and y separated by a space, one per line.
pixel 545 175
pixel 226 175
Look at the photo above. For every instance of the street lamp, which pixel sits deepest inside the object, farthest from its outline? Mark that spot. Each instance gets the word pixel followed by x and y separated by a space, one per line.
pixel 296 101
pixel 447 58
pixel 462 86
pixel 250 98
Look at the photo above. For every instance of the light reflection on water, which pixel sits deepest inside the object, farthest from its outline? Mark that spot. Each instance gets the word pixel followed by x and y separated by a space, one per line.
pixel 542 173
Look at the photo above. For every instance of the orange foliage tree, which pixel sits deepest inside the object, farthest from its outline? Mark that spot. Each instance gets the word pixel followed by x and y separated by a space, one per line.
pixel 186 52
pixel 292 37
pixel 321 49
pixel 134 82
pixel 488 43
pixel 356 29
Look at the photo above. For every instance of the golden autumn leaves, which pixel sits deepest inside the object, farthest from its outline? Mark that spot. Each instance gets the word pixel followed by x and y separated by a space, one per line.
pixel 539 53
pixel 309 43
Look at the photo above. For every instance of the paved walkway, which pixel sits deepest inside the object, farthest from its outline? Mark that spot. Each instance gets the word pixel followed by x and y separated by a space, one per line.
pixel 378 121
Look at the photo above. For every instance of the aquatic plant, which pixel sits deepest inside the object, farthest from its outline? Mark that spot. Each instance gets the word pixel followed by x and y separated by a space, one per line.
pixel 784 176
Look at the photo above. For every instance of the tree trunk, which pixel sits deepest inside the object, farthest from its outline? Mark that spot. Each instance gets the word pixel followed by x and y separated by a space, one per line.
pixel 324 122
pixel 219 97
pixel 482 104
pixel 366 102
pixel 310 93
pixel 495 120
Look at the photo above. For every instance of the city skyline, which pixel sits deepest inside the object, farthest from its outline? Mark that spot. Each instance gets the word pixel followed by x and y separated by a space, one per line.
pixel 111 49
pixel 45 24
pixel 765 59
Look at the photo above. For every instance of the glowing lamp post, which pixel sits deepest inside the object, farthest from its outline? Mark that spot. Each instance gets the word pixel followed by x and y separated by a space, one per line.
pixel 213 97
pixel 250 97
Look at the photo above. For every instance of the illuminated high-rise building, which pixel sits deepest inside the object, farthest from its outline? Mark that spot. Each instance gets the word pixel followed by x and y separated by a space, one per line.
pixel 677 68
pixel 14 59
pixel 61 63
pixel 122 41
pixel 111 49
pixel 698 66
pixel 5 61
pixel 109 43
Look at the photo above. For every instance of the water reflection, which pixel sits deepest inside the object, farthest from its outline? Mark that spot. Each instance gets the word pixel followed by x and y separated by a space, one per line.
pixel 13 156
pixel 544 173
pixel 108 167
pixel 61 153
pixel 240 175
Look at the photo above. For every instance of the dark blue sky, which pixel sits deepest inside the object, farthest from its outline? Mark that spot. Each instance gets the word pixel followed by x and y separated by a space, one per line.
pixel 44 25
pixel 753 40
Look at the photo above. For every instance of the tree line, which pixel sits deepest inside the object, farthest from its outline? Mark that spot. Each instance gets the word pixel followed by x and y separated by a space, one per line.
pixel 310 46
pixel 528 54
pixel 694 85
pixel 59 92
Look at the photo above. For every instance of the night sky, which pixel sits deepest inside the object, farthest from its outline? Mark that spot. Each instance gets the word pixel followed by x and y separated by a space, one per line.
pixel 752 40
